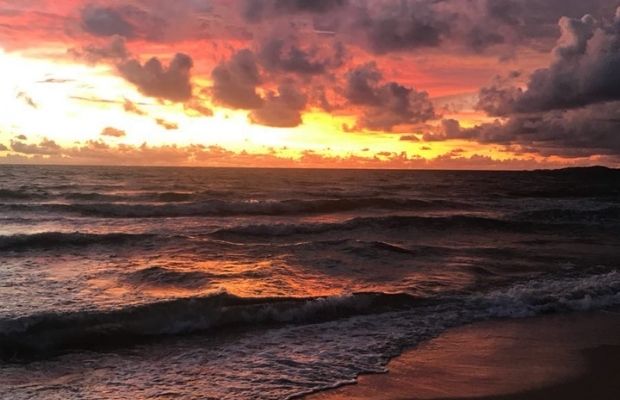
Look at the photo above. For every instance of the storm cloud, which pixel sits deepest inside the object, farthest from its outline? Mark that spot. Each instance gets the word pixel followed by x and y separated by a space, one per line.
pixel 155 80
pixel 105 21
pixel 235 81
pixel 256 10
pixel 385 105
pixel 580 132
pixel 584 72
pixel 281 110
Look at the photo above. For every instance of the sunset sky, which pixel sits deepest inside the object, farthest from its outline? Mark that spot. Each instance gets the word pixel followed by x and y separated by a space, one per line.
pixel 477 84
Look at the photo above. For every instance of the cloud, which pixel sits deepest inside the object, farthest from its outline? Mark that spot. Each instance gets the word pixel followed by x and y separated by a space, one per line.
pixel 282 110
pixel 104 21
pixel 25 97
pixel 3 147
pixel 196 109
pixel 385 105
pixel 401 26
pixel 113 132
pixel 170 126
pixel 580 132
pixel 133 108
pixel 114 49
pixel 235 81
pixel 584 71
pixel 256 10
pixel 569 108
pixel 155 80
pixel 278 55
pixel 98 152
pixel 315 6
pixel 45 147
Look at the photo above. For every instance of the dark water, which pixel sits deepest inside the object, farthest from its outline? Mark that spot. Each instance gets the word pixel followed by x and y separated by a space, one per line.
pixel 139 283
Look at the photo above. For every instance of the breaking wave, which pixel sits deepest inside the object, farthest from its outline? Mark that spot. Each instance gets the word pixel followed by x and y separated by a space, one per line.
pixel 47 334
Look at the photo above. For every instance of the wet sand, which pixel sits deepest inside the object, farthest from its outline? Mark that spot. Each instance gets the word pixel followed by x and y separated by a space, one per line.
pixel 563 357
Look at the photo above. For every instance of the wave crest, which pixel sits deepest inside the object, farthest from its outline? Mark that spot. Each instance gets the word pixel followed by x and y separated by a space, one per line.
pixel 46 334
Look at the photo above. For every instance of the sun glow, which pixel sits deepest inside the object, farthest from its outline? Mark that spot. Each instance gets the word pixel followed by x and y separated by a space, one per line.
pixel 73 103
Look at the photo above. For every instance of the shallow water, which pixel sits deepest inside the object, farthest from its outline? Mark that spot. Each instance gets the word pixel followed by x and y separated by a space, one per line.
pixel 267 284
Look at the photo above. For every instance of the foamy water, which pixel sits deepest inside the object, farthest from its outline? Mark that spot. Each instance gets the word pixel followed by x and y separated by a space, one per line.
pixel 268 284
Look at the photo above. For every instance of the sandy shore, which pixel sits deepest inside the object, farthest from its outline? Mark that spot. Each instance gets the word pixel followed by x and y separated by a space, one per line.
pixel 563 357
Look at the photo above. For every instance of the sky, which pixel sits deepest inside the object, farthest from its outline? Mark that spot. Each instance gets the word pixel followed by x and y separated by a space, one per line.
pixel 437 84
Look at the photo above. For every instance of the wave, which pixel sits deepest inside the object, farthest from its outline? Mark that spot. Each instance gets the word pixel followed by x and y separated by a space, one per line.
pixel 54 240
pixel 231 208
pixel 91 196
pixel 163 197
pixel 363 248
pixel 43 335
pixel 372 223
pixel 560 215
pixel 46 334
pixel 7 194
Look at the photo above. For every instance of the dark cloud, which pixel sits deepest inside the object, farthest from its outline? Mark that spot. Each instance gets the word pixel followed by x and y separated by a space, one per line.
pixel 113 132
pixel 508 11
pixel 581 132
pixel 155 80
pixel 282 110
pixel 235 81
pixel 114 49
pixel 386 26
pixel 584 71
pixel 479 38
pixel 568 109
pixel 278 55
pixel 401 26
pixel 361 86
pixel 409 138
pixel 318 98
pixel 104 21
pixel 256 10
pixel 315 6
pixel 449 129
pixel 3 147
pixel 46 147
pixel 498 99
pixel 385 105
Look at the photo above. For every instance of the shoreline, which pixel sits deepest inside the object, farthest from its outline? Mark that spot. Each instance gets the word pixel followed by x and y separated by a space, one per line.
pixel 572 356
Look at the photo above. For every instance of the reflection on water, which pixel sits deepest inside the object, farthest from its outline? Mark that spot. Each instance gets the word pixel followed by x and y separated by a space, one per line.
pixel 286 281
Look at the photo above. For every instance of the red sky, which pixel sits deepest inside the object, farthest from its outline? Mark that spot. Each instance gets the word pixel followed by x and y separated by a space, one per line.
pixel 483 84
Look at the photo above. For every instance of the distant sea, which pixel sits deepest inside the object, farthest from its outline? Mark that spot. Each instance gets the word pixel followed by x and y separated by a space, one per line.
pixel 180 283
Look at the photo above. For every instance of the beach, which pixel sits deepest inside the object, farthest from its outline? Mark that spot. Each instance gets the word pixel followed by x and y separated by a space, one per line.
pixel 564 357
pixel 273 284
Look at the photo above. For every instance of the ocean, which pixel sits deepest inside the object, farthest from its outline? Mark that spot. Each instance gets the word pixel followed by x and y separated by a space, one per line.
pixel 191 283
